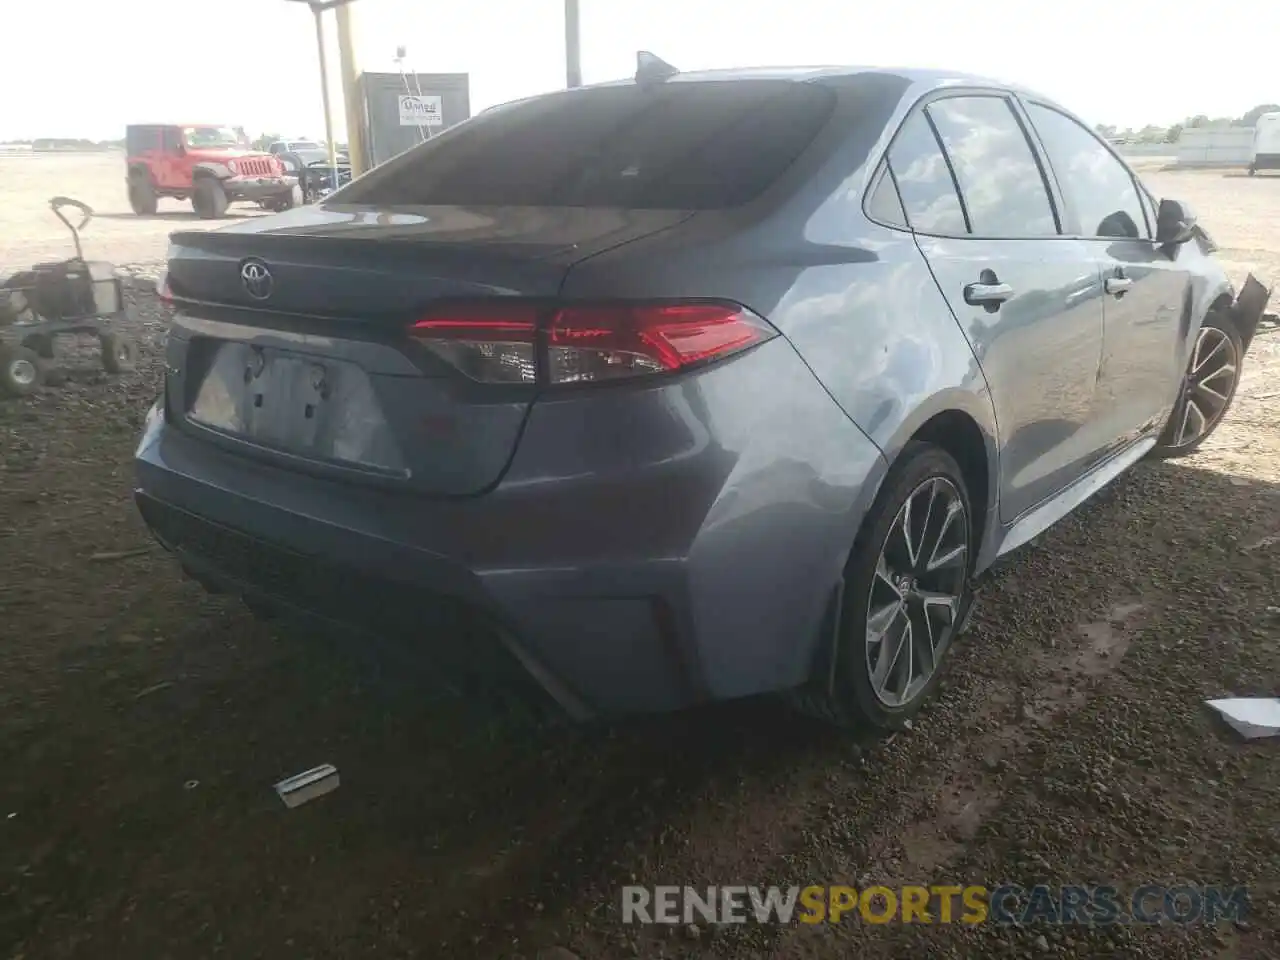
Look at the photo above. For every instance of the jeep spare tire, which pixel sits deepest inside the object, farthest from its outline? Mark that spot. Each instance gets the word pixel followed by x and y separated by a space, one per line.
pixel 209 199
pixel 142 196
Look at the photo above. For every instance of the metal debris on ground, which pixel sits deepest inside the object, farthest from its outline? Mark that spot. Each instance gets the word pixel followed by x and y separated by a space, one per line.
pixel 154 688
pixel 306 786
pixel 118 554
pixel 1251 717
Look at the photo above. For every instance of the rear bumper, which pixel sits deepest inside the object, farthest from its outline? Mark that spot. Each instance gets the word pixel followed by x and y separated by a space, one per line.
pixel 226 560
pixel 650 588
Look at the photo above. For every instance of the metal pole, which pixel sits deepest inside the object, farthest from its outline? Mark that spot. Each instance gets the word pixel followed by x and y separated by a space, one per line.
pixel 572 44
pixel 356 153
pixel 318 10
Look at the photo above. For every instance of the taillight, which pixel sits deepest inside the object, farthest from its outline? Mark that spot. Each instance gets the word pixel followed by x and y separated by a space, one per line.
pixel 518 342
pixel 493 344
pixel 162 287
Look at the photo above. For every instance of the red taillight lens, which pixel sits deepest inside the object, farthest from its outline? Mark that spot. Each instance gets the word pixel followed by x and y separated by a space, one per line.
pixel 608 342
pixel 492 344
pixel 588 342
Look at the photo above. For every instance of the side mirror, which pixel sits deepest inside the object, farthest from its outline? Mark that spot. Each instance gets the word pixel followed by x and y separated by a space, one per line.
pixel 1175 223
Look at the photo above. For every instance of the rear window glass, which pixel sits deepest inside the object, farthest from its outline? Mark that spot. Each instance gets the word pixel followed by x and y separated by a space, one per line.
pixel 680 145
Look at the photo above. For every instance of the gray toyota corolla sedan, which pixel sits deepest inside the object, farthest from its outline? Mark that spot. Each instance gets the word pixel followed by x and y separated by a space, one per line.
pixel 689 387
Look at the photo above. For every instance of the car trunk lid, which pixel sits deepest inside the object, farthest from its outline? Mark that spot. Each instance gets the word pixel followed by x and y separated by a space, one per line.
pixel 290 341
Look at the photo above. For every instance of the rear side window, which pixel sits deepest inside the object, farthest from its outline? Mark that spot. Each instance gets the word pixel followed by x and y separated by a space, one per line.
pixel 141 139
pixel 1000 180
pixel 679 145
pixel 924 180
pixel 884 205
pixel 1100 187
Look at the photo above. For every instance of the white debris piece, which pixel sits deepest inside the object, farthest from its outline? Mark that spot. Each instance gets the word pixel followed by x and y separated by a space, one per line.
pixel 1252 717
pixel 306 786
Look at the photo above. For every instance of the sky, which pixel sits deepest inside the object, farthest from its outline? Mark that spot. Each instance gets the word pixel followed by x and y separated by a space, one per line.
pixel 253 63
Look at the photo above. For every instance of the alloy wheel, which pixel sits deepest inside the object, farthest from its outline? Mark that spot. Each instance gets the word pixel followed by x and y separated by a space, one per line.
pixel 917 591
pixel 1209 386
pixel 23 372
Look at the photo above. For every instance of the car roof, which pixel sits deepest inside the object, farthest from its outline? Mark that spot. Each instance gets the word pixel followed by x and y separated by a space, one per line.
pixel 926 78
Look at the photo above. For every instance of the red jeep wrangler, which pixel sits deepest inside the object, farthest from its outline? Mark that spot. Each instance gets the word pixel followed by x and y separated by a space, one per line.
pixel 213 166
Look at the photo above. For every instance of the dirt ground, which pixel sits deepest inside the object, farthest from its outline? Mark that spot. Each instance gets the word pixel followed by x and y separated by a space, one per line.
pixel 143 723
pixel 29 232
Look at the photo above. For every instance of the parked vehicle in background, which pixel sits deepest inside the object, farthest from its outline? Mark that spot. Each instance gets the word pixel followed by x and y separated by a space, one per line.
pixel 208 165
pixel 1266 144
pixel 293 146
pixel 679 412
pixel 317 178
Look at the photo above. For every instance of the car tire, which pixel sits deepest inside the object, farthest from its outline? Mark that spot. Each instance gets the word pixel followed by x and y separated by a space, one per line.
pixel 142 196
pixel 861 691
pixel 1208 388
pixel 209 199
pixel 119 353
pixel 21 370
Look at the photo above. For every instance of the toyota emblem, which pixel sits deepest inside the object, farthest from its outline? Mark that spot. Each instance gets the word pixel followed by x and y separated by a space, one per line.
pixel 256 278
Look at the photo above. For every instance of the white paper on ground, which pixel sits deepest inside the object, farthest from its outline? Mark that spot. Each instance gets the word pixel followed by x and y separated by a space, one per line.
pixel 1252 717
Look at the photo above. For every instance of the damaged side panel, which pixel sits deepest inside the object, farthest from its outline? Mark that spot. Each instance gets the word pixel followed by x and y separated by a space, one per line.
pixel 1248 308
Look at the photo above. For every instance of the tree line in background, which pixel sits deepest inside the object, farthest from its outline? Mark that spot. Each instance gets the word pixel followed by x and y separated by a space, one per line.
pixel 1154 134
pixel 67 143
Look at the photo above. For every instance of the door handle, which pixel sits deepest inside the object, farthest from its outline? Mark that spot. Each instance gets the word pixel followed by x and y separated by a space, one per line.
pixel 987 294
pixel 1118 285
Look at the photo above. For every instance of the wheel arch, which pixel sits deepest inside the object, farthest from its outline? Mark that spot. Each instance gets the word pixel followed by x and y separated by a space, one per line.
pixel 1240 309
pixel 959 434
pixel 958 424
pixel 139 171
pixel 209 170
pixel 963 423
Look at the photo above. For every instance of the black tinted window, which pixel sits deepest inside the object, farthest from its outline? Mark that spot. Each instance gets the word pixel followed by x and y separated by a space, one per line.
pixel 1099 186
pixel 691 145
pixel 141 139
pixel 884 205
pixel 928 192
pixel 1000 180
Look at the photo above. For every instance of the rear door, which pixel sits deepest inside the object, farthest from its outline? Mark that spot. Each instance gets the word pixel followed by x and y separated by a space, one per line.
pixel 1028 299
pixel 145 144
pixel 1146 287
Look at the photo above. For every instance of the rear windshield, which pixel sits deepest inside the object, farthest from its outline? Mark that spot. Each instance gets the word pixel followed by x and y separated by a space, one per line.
pixel 681 145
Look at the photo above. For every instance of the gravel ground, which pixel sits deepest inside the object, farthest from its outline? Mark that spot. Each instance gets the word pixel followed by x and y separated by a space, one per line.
pixel 142 724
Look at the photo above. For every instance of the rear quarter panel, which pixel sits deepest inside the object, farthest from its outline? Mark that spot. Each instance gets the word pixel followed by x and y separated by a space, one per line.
pixel 856 300
pixel 869 332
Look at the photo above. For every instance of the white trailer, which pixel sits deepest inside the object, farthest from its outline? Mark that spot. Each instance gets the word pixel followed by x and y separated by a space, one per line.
pixel 1266 143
